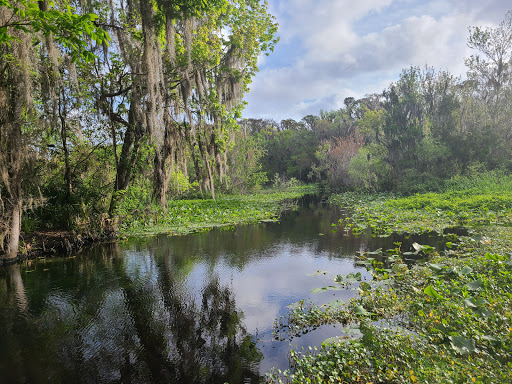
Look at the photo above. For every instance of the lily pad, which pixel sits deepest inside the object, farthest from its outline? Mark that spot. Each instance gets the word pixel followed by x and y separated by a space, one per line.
pixel 359 310
pixel 329 288
pixel 462 345
pixel 335 304
pixel 432 292
pixel 435 267
pixel 475 285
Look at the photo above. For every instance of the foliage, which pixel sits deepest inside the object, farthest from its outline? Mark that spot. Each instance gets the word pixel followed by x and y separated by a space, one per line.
pixel 244 164
pixel 368 170
pixel 288 152
pixel 154 104
pixel 187 216
pixel 445 319
pixel 334 158
pixel 282 183
pixel 59 20
pixel 487 201
pixel 23 26
pixel 427 126
pixel 83 210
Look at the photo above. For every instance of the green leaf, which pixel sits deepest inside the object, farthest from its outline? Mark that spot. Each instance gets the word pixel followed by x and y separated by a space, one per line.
pixel 462 344
pixel 475 285
pixel 333 340
pixel 430 291
pixel 466 270
pixel 399 268
pixel 470 303
pixel 335 304
pixel 329 288
pixel 334 288
pixel 365 286
pixel 475 302
pixel 359 310
pixel 353 277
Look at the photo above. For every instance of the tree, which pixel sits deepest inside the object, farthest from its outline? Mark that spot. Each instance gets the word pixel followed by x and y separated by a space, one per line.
pixel 26 28
pixel 490 78
pixel 334 158
pixel 245 172
pixel 181 101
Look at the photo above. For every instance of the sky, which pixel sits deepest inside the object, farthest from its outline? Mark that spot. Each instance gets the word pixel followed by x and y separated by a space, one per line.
pixel 333 49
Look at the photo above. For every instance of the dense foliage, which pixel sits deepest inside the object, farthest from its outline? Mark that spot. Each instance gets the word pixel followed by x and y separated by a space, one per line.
pixel 423 129
pixel 104 100
pixel 187 216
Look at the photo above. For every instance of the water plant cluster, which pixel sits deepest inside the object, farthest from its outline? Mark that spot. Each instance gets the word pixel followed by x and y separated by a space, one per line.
pixel 445 319
pixel 474 201
pixel 188 216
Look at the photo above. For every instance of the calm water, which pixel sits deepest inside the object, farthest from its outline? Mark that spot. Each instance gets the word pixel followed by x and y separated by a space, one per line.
pixel 189 309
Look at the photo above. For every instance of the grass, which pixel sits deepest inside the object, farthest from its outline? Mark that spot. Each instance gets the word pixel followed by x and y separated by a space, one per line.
pixel 447 319
pixel 188 216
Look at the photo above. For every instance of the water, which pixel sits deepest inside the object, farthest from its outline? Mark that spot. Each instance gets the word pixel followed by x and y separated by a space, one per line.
pixel 189 309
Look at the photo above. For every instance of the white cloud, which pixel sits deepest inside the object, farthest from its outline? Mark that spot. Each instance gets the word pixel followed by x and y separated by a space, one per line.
pixel 332 50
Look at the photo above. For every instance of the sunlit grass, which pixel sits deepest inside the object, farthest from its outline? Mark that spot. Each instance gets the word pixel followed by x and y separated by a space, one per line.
pixel 188 216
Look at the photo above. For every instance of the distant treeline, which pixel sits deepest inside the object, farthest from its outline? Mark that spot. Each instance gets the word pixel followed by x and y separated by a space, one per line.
pixel 423 129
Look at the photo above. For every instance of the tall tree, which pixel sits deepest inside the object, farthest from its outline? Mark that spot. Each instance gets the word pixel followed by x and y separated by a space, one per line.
pixel 27 28
pixel 490 78
pixel 182 93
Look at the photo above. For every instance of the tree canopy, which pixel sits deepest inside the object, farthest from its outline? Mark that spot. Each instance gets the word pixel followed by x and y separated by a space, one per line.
pixel 100 97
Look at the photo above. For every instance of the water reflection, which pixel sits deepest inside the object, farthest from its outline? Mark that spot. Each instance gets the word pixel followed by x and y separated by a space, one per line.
pixel 189 309
pixel 110 318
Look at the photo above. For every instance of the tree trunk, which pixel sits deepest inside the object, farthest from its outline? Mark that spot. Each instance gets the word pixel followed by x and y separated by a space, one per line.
pixel 163 156
pixel 14 89
pixel 133 137
pixel 14 231
pixel 64 137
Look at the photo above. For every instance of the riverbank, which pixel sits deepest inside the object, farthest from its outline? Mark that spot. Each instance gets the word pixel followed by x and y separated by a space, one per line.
pixel 182 217
pixel 51 243
pixel 446 318
pixel 188 216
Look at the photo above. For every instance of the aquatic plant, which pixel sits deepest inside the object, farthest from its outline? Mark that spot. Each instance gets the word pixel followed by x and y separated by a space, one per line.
pixel 445 319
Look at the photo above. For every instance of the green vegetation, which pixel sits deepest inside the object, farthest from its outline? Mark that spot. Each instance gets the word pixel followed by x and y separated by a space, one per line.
pixel 423 129
pixel 101 100
pixel 124 118
pixel 187 216
pixel 478 200
pixel 446 318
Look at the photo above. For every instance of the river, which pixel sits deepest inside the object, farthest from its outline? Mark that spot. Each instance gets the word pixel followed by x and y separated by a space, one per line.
pixel 175 309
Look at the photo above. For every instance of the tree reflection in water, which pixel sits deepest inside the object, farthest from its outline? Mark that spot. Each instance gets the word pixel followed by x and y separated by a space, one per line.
pixel 118 319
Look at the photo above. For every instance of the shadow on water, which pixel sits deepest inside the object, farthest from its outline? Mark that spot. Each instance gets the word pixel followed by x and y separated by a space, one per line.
pixel 105 318
pixel 192 309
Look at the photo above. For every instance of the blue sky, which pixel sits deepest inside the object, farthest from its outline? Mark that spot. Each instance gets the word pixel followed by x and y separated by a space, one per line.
pixel 333 49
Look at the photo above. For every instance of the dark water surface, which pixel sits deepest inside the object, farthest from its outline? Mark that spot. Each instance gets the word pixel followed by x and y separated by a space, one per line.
pixel 190 309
